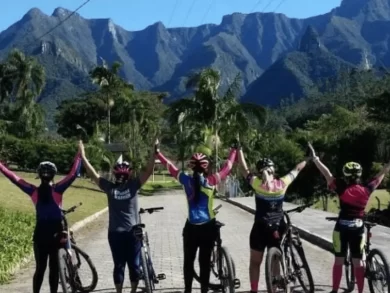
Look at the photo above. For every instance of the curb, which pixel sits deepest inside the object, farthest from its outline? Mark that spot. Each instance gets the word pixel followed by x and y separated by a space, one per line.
pixel 75 227
pixel 311 237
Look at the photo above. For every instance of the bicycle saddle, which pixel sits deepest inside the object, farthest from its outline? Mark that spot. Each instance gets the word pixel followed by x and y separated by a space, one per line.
pixel 219 224
pixel 139 226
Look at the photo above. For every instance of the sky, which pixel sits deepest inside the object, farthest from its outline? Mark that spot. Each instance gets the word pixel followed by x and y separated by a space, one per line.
pixel 137 14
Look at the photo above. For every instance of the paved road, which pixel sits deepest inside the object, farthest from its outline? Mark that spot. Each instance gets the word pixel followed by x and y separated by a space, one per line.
pixel 313 221
pixel 165 234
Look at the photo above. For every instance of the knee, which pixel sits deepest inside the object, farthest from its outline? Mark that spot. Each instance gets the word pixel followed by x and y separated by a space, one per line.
pixel 357 262
pixel 256 259
pixel 339 261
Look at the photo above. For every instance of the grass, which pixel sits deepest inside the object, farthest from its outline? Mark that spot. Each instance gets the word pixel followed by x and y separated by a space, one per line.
pixel 333 203
pixel 17 217
pixel 17 213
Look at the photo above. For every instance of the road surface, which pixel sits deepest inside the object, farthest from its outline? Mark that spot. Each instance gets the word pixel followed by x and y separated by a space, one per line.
pixel 164 229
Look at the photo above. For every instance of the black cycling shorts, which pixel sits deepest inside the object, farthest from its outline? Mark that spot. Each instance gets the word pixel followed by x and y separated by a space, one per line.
pixel 262 235
pixel 346 237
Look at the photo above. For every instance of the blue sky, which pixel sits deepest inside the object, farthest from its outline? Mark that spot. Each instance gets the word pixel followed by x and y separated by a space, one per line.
pixel 138 14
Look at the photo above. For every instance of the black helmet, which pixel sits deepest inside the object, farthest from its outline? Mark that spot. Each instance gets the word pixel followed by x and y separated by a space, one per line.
pixel 47 170
pixel 264 163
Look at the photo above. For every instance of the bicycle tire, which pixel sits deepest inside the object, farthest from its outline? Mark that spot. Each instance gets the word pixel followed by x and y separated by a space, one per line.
pixel 301 253
pixel 145 271
pixel 272 252
pixel 229 270
pixel 213 270
pixel 349 273
pixel 62 266
pixel 92 286
pixel 369 265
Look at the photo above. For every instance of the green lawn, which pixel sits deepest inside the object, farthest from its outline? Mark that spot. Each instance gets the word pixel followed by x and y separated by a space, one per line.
pixel 333 203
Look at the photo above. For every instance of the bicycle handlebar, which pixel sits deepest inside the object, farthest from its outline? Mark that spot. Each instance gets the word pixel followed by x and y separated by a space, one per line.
pixel 72 209
pixel 217 208
pixel 150 210
pixel 298 209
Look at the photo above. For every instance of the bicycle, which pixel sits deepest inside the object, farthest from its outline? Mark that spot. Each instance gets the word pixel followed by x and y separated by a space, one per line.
pixel 226 274
pixel 371 264
pixel 283 252
pixel 69 259
pixel 148 274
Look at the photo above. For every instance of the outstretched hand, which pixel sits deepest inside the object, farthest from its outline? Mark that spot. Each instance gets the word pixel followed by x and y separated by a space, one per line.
pixel 236 144
pixel 157 146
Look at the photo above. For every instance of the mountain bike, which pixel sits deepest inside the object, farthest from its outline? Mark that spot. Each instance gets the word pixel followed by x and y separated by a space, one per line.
pixel 375 272
pixel 288 248
pixel 222 265
pixel 69 260
pixel 148 274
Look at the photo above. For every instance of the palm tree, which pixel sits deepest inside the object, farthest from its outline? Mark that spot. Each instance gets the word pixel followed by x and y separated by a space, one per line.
pixel 26 73
pixel 6 82
pixel 210 109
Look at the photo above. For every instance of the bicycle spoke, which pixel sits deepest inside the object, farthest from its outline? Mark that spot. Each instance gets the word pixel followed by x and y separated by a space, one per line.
pixel 378 274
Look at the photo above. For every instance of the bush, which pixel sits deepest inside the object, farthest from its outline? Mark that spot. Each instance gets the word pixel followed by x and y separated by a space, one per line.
pixel 27 154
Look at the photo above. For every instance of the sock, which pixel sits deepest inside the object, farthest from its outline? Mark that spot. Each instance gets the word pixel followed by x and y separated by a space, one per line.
pixel 254 286
pixel 359 274
pixel 336 276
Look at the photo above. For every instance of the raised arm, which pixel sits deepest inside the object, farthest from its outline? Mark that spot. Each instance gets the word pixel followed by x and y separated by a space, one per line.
pixel 172 169
pixel 378 178
pixel 241 160
pixel 323 169
pixel 88 167
pixel 67 181
pixel 214 179
pixel 19 182
pixel 290 177
pixel 144 176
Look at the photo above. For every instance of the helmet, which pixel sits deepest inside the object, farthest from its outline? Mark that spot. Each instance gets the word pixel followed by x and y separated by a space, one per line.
pixel 47 170
pixel 199 160
pixel 264 163
pixel 123 168
pixel 352 169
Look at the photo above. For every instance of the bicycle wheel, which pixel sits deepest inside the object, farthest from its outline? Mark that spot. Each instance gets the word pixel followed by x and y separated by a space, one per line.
pixel 214 275
pixel 145 271
pixel 349 273
pixel 377 269
pixel 80 283
pixel 297 251
pixel 65 271
pixel 274 266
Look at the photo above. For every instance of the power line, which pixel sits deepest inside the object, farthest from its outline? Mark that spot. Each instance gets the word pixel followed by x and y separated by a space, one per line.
pixel 62 21
pixel 208 10
pixel 189 11
pixel 173 12
pixel 266 6
pixel 280 4
pixel 256 5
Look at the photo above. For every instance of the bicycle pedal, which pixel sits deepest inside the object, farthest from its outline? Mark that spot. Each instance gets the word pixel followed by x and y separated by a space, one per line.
pixel 237 283
pixel 161 276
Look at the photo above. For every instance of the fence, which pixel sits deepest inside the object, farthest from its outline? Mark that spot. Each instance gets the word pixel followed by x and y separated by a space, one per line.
pixel 230 187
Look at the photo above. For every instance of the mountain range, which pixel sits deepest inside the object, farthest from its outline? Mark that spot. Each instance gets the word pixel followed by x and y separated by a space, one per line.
pixel 276 56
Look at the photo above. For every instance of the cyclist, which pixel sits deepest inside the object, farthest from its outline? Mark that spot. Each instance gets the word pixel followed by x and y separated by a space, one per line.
pixel 349 229
pixel 122 197
pixel 47 199
pixel 199 230
pixel 269 196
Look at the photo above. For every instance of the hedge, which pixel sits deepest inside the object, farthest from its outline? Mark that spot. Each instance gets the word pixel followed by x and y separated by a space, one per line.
pixel 27 154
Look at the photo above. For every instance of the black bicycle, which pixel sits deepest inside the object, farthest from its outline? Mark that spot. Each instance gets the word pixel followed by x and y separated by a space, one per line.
pixel 222 265
pixel 376 272
pixel 69 260
pixel 285 254
pixel 148 274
